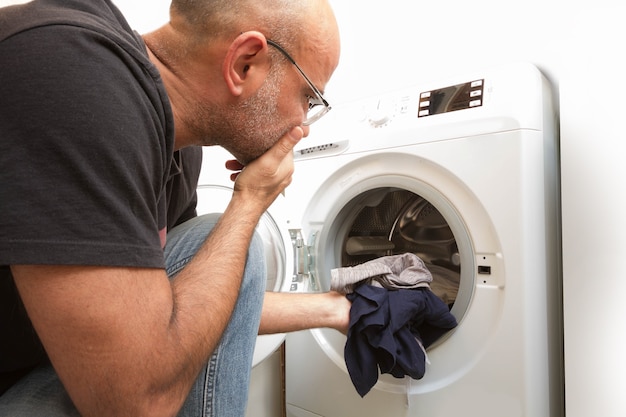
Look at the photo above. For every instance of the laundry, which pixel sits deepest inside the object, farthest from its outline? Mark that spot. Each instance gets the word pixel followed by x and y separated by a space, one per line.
pixel 394 317
pixel 387 330
pixel 392 272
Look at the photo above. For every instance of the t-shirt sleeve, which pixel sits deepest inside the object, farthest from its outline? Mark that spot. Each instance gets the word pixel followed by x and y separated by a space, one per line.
pixel 181 187
pixel 83 154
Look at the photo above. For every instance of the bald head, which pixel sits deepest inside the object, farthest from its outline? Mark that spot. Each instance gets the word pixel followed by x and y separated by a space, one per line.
pixel 284 21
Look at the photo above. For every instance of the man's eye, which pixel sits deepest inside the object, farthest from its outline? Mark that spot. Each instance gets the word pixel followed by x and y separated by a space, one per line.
pixel 313 101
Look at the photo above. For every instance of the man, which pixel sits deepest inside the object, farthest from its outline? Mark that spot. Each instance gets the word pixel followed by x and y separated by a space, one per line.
pixel 140 308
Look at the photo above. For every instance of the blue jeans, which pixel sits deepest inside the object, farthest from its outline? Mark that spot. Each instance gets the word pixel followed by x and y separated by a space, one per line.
pixel 221 389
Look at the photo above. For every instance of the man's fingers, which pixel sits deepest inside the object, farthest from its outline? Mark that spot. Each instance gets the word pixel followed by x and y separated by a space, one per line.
pixel 233 165
pixel 291 139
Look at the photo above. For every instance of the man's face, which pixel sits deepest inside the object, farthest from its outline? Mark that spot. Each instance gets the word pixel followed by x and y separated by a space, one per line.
pixel 251 127
pixel 256 124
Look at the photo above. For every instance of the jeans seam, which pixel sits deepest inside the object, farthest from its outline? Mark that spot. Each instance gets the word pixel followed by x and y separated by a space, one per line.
pixel 209 385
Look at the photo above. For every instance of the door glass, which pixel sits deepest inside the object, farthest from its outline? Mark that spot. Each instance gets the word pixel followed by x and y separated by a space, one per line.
pixel 275 252
pixel 393 221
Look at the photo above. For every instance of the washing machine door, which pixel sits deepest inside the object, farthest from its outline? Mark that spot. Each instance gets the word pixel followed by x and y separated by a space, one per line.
pixel 279 255
pixel 381 204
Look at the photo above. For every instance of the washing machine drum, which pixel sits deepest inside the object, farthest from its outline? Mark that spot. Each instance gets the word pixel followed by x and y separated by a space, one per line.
pixel 395 221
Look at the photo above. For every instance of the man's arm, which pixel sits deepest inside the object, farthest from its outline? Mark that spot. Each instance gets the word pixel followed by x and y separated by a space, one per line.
pixel 128 341
pixel 287 312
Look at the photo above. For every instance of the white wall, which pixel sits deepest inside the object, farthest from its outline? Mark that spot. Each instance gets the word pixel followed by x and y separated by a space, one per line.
pixel 579 45
pixel 594 221
pixel 144 15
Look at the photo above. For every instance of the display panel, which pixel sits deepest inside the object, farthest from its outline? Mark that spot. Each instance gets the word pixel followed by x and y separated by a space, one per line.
pixel 453 98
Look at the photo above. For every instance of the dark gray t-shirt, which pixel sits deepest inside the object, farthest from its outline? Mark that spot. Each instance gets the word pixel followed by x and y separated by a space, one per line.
pixel 86 150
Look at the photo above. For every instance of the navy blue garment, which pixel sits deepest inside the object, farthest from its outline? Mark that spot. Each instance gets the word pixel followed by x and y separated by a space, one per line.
pixel 384 329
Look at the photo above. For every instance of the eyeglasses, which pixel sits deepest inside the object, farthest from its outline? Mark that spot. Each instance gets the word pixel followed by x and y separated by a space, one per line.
pixel 318 106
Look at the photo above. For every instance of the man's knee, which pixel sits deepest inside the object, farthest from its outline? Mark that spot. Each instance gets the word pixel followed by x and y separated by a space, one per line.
pixel 186 239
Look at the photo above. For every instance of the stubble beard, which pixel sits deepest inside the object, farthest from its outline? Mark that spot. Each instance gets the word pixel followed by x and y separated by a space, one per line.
pixel 248 129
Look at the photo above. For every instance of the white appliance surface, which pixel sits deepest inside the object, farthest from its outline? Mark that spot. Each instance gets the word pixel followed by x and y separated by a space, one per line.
pixel 487 164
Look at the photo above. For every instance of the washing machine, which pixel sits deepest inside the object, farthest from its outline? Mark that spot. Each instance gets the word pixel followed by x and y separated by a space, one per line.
pixel 462 172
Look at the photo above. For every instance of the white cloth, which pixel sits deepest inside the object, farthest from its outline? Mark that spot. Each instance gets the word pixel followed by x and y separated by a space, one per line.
pixel 405 271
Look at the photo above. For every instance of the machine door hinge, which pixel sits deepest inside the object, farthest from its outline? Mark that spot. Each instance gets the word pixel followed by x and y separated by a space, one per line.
pixel 303 277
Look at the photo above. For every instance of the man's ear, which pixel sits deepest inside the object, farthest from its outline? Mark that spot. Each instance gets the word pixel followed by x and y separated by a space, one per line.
pixel 246 64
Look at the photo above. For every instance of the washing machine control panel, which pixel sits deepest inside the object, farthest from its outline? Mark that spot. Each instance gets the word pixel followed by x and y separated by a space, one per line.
pixel 490 99
pixel 452 98
pixel 455 97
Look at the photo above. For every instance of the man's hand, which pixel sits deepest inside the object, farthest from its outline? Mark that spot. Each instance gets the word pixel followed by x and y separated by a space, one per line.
pixel 268 175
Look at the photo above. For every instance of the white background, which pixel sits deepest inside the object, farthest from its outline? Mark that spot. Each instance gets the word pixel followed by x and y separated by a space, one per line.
pixel 579 46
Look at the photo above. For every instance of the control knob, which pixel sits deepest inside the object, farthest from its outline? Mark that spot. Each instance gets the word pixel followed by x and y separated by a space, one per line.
pixel 382 114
